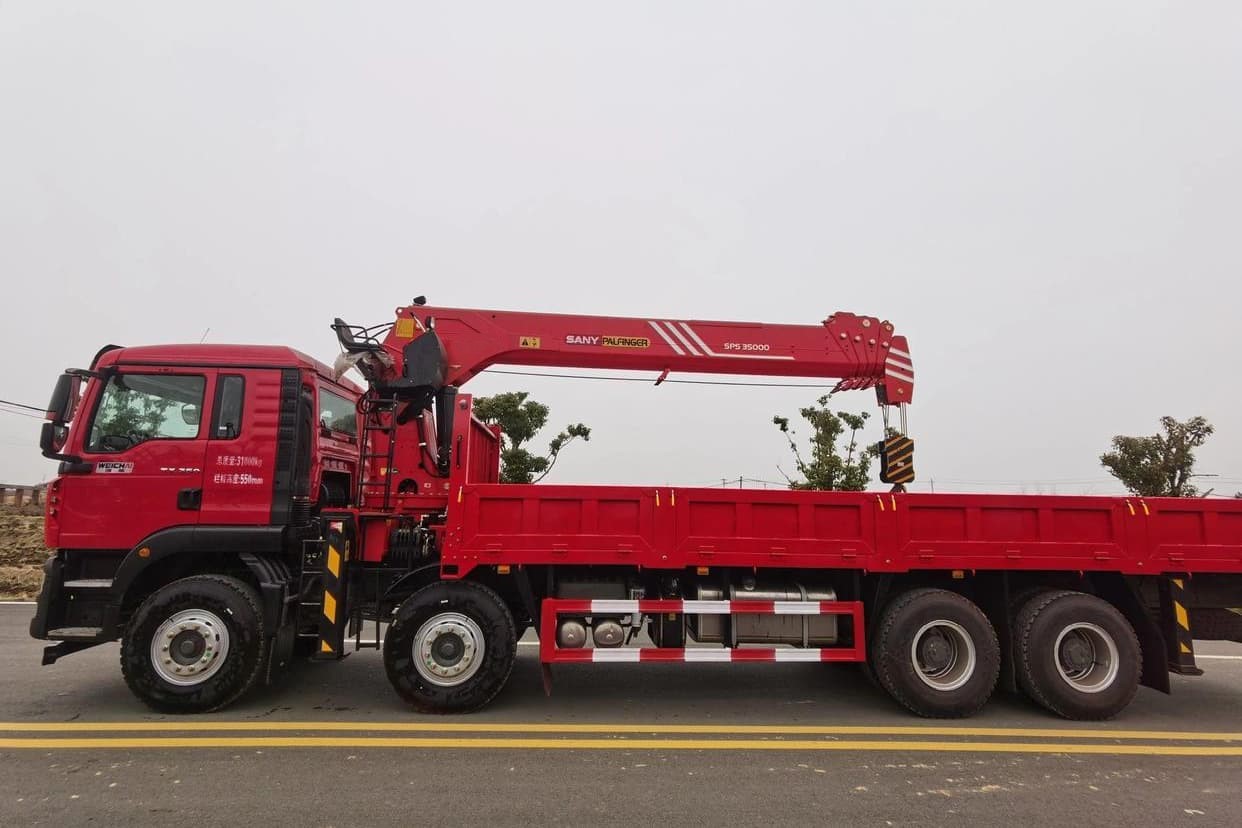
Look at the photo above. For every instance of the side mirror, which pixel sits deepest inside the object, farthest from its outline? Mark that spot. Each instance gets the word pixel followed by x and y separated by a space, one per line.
pixel 190 414
pixel 60 410
pixel 52 438
pixel 64 398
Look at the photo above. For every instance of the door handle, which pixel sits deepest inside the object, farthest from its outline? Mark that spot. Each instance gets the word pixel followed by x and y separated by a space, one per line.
pixel 190 499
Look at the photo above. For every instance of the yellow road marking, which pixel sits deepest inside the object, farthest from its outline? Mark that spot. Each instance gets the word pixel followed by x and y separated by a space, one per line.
pixel 135 743
pixel 180 726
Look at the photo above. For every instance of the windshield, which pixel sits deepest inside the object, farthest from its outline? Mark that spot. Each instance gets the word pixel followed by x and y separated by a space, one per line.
pixel 140 407
pixel 337 413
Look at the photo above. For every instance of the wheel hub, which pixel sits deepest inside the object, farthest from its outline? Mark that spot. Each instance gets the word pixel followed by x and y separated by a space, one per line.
pixel 189 647
pixel 936 653
pixel 448 649
pixel 1086 657
pixel 1076 654
pixel 943 655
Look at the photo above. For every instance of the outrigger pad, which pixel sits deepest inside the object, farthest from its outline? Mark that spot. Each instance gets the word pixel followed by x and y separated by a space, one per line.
pixel 897 460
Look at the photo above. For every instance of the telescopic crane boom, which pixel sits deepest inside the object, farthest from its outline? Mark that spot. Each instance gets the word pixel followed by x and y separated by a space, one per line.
pixel 427 350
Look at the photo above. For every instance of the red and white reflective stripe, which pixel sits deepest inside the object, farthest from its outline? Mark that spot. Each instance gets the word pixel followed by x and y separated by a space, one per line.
pixel 655 607
pixel 898 365
pixel 550 652
pixel 638 655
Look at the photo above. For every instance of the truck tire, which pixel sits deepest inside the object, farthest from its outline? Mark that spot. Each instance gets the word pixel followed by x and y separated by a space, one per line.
pixel 1076 655
pixel 936 654
pixel 195 645
pixel 451 647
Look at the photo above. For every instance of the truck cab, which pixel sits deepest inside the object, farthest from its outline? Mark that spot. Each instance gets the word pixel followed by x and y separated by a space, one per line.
pixel 180 459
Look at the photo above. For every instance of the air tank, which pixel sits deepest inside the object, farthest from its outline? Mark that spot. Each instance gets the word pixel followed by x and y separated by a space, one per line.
pixel 571 633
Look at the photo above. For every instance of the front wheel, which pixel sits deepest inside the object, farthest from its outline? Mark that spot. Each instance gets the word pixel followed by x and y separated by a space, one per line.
pixel 451 647
pixel 195 645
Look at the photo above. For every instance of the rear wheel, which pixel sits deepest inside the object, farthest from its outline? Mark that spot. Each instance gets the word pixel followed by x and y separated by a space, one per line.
pixel 1076 655
pixel 936 653
pixel 451 647
pixel 195 645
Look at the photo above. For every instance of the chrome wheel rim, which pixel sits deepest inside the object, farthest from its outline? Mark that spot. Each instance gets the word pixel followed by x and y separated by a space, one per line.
pixel 1086 657
pixel 189 647
pixel 943 655
pixel 448 649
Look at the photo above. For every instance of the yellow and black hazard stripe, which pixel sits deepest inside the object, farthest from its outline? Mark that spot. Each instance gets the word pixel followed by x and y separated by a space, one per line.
pixel 897 459
pixel 1179 641
pixel 333 614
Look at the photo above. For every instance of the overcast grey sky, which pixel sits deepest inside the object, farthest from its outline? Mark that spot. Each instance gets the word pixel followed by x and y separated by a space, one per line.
pixel 1046 198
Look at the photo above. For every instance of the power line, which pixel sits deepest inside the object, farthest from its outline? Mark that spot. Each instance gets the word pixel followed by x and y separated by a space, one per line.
pixel 725 481
pixel 23 405
pixel 20 413
pixel 649 380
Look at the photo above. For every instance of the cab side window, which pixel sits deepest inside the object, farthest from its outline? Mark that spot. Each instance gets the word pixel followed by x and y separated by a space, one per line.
pixel 135 408
pixel 337 414
pixel 226 422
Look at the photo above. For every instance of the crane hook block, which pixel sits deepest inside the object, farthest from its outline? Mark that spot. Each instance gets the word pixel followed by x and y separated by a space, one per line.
pixel 897 460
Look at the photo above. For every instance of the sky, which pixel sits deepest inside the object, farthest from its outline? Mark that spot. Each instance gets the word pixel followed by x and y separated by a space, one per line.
pixel 1046 198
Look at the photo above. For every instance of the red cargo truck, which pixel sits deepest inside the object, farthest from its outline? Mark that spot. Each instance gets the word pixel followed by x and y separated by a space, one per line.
pixel 223 509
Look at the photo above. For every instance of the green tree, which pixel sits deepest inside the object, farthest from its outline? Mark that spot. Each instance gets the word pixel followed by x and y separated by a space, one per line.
pixel 828 468
pixel 520 419
pixel 1160 465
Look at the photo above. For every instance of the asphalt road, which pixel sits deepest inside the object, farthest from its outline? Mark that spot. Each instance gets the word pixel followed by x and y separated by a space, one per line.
pixel 710 744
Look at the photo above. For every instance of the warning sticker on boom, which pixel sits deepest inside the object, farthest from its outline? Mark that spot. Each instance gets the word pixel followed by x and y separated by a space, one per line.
pixel 528 342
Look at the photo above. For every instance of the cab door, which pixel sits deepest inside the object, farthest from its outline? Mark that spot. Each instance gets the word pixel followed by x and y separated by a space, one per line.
pixel 142 458
pixel 242 436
